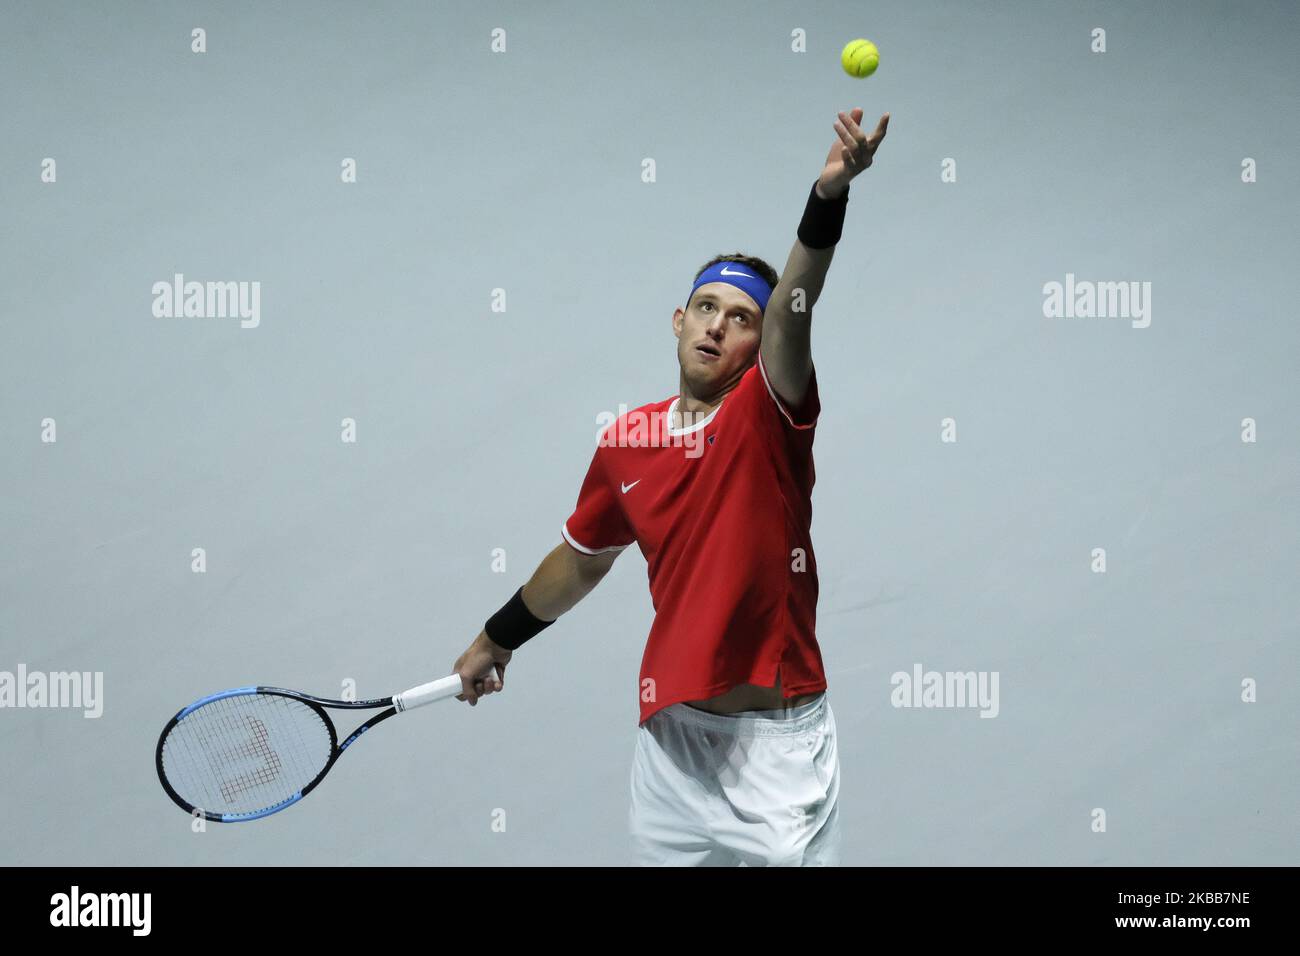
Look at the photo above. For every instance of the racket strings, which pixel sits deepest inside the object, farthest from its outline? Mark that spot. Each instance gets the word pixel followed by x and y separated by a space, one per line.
pixel 256 748
pixel 245 753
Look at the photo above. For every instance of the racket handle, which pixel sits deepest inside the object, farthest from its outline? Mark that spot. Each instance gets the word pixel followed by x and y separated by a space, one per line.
pixel 428 693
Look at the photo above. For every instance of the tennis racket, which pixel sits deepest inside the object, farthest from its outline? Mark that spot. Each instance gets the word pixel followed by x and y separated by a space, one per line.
pixel 246 753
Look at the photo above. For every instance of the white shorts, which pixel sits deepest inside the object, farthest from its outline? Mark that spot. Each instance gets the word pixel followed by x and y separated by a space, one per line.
pixel 758 788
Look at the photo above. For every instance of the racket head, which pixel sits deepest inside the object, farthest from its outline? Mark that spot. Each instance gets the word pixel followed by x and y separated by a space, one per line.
pixel 245 753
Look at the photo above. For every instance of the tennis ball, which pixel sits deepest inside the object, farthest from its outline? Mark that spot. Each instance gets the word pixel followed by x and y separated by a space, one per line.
pixel 860 58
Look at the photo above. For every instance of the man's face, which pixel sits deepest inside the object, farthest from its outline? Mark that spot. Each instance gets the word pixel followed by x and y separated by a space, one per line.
pixel 717 336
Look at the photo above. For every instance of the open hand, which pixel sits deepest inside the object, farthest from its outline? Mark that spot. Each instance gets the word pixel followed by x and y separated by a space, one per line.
pixel 852 152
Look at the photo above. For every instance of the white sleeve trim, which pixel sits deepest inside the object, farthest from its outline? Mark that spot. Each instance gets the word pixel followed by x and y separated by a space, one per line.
pixel 780 404
pixel 586 550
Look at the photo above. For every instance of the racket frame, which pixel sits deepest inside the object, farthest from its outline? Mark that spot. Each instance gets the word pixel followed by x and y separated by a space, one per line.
pixel 408 699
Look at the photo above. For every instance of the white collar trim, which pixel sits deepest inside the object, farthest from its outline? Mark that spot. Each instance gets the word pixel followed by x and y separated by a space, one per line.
pixel 672 410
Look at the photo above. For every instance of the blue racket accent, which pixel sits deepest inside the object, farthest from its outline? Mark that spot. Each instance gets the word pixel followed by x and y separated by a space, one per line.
pixel 258 814
pixel 237 692
pixel 357 733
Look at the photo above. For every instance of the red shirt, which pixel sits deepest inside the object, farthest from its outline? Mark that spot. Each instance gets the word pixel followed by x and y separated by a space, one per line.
pixel 722 512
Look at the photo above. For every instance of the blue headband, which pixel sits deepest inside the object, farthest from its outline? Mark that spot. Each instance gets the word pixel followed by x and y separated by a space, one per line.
pixel 739 275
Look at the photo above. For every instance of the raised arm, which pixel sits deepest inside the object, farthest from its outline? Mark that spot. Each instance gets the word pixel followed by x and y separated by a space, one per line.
pixel 787 322
pixel 564 578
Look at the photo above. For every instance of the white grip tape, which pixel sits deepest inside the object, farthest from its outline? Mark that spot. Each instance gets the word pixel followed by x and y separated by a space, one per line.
pixel 428 693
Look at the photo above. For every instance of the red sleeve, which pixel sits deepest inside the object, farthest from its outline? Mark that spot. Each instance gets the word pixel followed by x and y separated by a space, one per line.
pixel 598 523
pixel 803 417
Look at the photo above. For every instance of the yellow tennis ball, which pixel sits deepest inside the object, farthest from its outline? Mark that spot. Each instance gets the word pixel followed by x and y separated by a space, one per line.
pixel 860 58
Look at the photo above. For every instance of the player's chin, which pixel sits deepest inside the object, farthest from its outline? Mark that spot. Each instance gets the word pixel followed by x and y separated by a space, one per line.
pixel 699 378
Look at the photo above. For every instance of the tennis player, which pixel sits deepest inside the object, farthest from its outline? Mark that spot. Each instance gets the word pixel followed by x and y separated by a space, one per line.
pixel 736 760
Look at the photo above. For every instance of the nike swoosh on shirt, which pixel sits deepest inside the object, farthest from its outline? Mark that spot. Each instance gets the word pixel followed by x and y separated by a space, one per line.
pixel 627 487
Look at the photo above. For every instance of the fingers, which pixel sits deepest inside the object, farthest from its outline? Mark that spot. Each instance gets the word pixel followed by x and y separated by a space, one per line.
pixel 472 688
pixel 881 129
pixel 858 149
pixel 493 679
pixel 854 153
pixel 856 135
pixel 468 692
pixel 847 137
pixel 475 685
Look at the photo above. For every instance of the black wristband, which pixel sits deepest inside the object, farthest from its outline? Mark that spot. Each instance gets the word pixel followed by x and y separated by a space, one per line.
pixel 823 220
pixel 514 624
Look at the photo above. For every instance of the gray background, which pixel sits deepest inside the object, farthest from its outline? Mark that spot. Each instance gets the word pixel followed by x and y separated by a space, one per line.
pixel 372 561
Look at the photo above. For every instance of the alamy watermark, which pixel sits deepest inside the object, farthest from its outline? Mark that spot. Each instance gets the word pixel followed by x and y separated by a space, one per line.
pixel 1098 300
pixel 642 429
pixel 75 908
pixel 946 689
pixel 208 300
pixel 80 690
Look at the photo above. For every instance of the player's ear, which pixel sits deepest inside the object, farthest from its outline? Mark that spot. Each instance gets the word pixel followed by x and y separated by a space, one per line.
pixel 677 321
